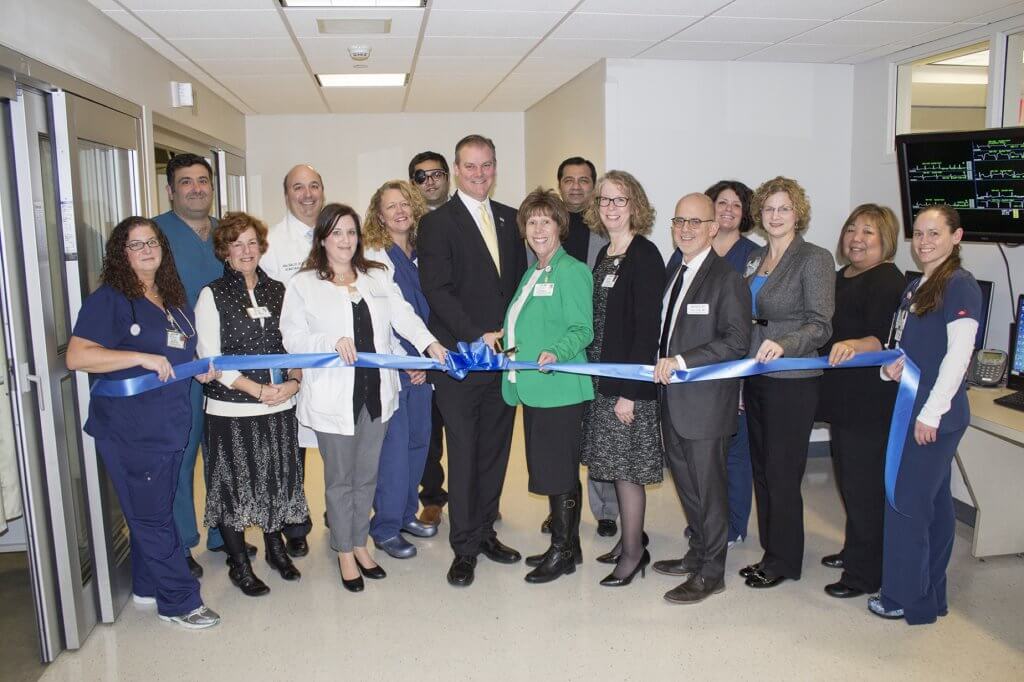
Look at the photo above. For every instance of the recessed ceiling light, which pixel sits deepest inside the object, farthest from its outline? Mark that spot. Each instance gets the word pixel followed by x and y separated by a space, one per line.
pixel 362 80
pixel 353 3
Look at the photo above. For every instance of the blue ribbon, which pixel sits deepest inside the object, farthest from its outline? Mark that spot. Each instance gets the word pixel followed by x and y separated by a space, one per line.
pixel 479 357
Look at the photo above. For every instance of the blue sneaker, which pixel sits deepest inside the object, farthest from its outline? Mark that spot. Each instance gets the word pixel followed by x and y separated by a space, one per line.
pixel 397 547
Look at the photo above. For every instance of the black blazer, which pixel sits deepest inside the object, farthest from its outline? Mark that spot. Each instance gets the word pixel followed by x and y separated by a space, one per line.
pixel 707 409
pixel 466 295
pixel 632 327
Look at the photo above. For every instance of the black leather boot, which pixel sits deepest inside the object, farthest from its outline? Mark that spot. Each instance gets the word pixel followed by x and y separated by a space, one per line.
pixel 560 558
pixel 240 573
pixel 277 556
pixel 577 551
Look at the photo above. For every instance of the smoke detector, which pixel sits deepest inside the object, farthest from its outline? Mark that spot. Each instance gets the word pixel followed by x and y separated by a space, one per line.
pixel 359 53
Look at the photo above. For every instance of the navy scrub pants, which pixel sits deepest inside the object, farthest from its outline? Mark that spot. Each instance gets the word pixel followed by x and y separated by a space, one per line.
pixel 145 483
pixel 184 502
pixel 402 458
pixel 740 479
pixel 919 537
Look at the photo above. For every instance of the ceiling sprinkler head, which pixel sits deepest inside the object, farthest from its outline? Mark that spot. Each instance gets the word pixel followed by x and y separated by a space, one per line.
pixel 359 53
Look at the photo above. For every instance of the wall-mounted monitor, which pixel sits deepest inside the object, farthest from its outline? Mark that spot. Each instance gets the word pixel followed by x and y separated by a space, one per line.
pixel 980 173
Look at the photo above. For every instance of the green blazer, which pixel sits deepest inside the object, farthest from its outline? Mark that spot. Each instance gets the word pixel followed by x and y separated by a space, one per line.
pixel 563 324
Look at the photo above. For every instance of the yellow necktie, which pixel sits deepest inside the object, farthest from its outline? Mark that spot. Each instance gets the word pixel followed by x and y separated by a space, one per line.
pixel 490 236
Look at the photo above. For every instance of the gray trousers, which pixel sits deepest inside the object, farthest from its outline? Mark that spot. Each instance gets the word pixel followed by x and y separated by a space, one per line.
pixel 350 480
pixel 604 504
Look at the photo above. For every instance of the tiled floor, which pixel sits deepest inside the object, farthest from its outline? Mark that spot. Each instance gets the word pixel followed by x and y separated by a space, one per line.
pixel 414 626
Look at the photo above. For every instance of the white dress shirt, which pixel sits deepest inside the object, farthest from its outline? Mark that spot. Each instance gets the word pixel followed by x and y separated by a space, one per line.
pixel 473 206
pixel 691 271
pixel 290 241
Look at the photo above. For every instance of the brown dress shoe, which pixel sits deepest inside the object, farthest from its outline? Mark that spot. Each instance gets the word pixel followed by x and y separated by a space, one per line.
pixel 431 515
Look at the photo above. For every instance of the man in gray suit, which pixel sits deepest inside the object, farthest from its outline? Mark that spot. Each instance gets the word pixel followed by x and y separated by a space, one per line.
pixel 706 318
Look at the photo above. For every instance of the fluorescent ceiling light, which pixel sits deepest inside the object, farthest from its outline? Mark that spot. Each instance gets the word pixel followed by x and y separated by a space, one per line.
pixel 353 3
pixel 972 59
pixel 362 80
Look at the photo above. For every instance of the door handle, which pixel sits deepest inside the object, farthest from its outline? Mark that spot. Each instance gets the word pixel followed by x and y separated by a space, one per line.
pixel 40 389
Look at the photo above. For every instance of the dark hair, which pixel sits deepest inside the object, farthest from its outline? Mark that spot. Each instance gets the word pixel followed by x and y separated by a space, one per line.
pixel 544 202
pixel 231 226
pixel 577 161
pixel 928 296
pixel 743 192
pixel 426 156
pixel 179 161
pixel 885 221
pixel 325 222
pixel 117 272
pixel 474 141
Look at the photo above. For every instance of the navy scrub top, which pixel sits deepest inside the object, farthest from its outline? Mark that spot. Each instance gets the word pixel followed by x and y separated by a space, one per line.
pixel 160 419
pixel 924 341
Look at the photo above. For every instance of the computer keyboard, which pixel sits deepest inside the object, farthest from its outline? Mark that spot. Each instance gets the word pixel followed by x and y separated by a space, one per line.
pixel 1014 401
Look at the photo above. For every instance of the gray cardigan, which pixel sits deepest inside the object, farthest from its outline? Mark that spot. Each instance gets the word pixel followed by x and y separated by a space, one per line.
pixel 797 301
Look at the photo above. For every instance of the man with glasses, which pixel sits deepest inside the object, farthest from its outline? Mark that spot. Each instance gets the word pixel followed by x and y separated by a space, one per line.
pixel 428 172
pixel 189 229
pixel 705 320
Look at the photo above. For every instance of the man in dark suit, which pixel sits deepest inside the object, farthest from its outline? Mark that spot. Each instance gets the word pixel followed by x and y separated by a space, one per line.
pixel 471 259
pixel 705 319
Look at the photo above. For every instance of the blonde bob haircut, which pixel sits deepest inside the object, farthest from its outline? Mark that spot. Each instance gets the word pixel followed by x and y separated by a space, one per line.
pixel 641 213
pixel 884 220
pixel 375 232
pixel 797 196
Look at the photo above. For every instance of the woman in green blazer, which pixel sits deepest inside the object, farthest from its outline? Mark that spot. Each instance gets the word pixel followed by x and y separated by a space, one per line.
pixel 551 320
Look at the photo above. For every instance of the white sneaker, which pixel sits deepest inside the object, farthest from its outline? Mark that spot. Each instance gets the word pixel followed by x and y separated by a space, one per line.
pixel 201 618
pixel 735 541
pixel 143 601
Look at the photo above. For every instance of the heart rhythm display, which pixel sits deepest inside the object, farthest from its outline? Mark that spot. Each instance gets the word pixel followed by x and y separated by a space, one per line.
pixel 979 173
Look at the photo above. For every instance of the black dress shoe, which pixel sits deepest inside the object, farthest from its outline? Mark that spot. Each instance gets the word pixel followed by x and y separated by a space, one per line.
pixel 193 566
pixel 674 567
pixel 494 550
pixel 461 572
pixel 278 558
pixel 612 557
pixel 841 590
pixel 750 570
pixel 606 528
pixel 546 526
pixel 249 549
pixel 760 581
pixel 240 574
pixel 297 547
pixel 355 584
pixel 832 561
pixel 373 573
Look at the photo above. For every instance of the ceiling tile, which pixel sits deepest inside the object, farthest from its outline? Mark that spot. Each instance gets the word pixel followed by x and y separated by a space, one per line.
pixel 1012 10
pixel 498 5
pixel 196 4
pixel 467 83
pixel 254 67
pixel 236 48
pixel 215 23
pixel 788 52
pixel 105 5
pixel 342 63
pixel 868 33
pixel 689 8
pixel 460 65
pixel 592 49
pixel 620 27
pixel 476 47
pixel 562 64
pixel 478 23
pixel 927 10
pixel 129 22
pixel 705 51
pixel 336 47
pixel 364 100
pixel 731 29
pixel 824 10
pixel 404 22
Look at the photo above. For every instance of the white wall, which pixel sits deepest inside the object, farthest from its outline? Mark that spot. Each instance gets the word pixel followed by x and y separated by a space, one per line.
pixel 681 126
pixel 356 153
pixel 568 122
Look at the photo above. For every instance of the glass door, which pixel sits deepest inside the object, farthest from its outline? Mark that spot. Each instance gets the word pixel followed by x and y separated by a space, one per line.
pixel 231 175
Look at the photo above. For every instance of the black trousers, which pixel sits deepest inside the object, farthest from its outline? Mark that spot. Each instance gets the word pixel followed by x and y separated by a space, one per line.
pixel 478 425
pixel 858 456
pixel 699 471
pixel 432 490
pixel 299 530
pixel 553 436
pixel 780 416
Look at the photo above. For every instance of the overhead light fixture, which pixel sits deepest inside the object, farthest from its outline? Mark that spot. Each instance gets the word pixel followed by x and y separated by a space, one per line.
pixel 979 58
pixel 357 27
pixel 353 3
pixel 362 80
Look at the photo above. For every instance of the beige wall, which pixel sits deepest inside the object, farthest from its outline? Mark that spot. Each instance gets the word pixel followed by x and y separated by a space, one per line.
pixel 356 153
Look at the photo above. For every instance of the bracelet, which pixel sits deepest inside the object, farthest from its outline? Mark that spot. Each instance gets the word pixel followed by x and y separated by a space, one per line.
pixel 260 396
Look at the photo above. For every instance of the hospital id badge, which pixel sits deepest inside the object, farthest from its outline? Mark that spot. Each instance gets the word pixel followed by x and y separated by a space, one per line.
pixel 609 281
pixel 544 289
pixel 175 339
pixel 260 312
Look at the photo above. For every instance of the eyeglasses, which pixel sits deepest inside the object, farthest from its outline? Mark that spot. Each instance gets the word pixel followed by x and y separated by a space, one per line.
pixel 137 245
pixel 421 176
pixel 779 210
pixel 694 223
pixel 617 201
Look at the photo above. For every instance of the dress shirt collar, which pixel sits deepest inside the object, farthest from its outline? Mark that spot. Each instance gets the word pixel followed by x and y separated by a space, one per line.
pixel 694 265
pixel 472 205
pixel 299 228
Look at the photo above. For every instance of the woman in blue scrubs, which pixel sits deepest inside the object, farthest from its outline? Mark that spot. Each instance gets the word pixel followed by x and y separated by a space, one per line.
pixel 136 322
pixel 935 326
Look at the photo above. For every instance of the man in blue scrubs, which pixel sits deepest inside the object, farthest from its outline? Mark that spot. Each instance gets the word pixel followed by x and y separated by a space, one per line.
pixel 189 228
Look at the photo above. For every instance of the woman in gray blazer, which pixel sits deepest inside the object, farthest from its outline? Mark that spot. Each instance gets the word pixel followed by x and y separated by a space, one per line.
pixel 792 284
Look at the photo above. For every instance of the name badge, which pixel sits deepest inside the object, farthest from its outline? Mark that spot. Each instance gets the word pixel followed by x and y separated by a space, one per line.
pixel 259 312
pixel 609 281
pixel 175 339
pixel 544 289
pixel 698 309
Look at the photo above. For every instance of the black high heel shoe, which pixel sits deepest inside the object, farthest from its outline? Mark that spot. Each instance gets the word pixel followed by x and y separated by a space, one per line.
pixel 374 573
pixel 354 585
pixel 612 581
pixel 612 557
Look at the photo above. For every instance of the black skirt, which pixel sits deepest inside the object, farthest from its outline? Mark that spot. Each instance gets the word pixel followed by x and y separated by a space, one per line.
pixel 253 471
pixel 553 436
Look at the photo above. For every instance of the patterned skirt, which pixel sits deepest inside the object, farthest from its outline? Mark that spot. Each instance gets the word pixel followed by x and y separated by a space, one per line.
pixel 614 451
pixel 253 471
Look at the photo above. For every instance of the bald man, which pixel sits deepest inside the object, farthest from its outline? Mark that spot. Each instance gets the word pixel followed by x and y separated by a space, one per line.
pixel 291 238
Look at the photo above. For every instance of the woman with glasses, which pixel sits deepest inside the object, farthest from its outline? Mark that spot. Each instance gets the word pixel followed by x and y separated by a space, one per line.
pixel 137 322
pixel 792 283
pixel 253 469
pixel 621 429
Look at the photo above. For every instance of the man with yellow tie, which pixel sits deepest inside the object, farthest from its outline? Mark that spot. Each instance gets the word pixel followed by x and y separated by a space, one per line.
pixel 471 259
